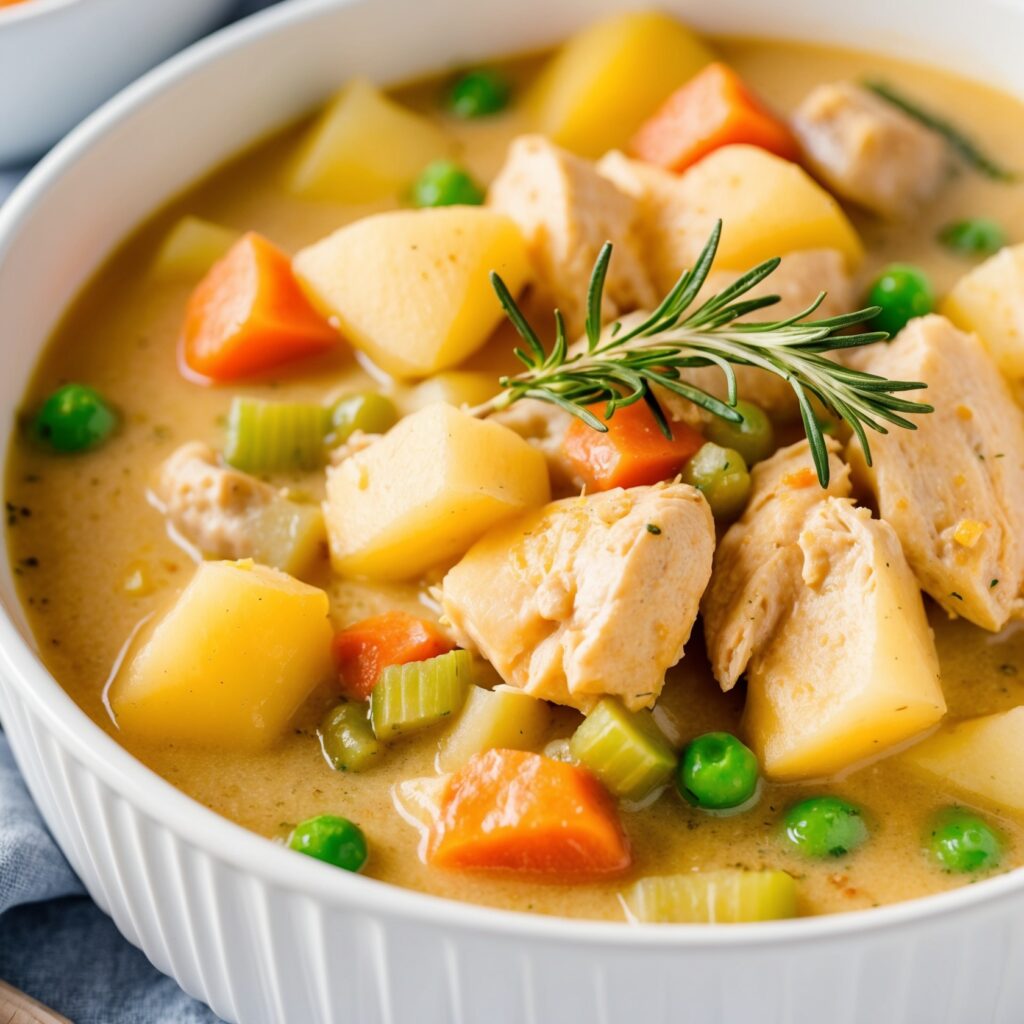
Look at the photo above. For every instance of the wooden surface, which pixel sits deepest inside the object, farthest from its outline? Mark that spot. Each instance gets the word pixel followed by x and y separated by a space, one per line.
pixel 18 1008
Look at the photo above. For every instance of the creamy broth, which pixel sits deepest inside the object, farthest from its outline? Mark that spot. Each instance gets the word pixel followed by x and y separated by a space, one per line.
pixel 80 528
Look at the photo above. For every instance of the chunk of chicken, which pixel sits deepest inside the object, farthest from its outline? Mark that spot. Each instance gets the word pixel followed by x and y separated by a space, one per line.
pixel 868 151
pixel 224 513
pixel 588 596
pixel 850 669
pixel 567 211
pixel 210 505
pixel 758 562
pixel 954 488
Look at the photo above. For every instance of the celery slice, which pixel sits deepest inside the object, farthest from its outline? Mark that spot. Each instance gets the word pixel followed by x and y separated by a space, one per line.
pixel 265 437
pixel 624 749
pixel 347 738
pixel 729 896
pixel 420 694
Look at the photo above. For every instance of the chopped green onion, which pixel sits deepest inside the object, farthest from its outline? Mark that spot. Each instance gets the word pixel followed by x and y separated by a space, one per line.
pixel 420 694
pixel 364 410
pixel 730 896
pixel 624 749
pixel 347 738
pixel 268 437
pixel 977 236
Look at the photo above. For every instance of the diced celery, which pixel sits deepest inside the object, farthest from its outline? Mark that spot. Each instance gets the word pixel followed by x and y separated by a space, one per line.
pixel 288 536
pixel 420 694
pixel 264 437
pixel 191 247
pixel 729 896
pixel 347 738
pixel 368 411
pixel 504 717
pixel 624 749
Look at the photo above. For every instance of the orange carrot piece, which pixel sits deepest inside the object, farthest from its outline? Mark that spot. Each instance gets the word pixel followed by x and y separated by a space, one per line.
pixel 518 811
pixel 363 651
pixel 633 452
pixel 248 314
pixel 713 109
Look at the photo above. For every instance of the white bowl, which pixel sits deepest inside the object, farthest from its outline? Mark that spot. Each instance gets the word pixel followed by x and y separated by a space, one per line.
pixel 266 937
pixel 60 59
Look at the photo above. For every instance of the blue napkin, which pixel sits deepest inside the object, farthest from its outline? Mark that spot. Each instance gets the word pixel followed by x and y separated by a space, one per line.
pixel 55 943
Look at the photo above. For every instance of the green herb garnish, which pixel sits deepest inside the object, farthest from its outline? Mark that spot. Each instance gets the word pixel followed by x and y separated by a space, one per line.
pixel 957 141
pixel 621 366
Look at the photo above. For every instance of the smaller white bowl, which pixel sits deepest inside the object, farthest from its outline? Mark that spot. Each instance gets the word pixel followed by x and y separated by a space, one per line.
pixel 59 59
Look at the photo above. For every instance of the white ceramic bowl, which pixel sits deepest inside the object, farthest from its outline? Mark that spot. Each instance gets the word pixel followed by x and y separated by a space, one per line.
pixel 266 937
pixel 60 59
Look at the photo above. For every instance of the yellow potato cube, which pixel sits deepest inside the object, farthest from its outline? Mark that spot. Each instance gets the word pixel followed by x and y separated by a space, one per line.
pixel 289 536
pixel 505 718
pixel 426 491
pixel 768 206
pixel 989 300
pixel 607 79
pixel 982 758
pixel 411 288
pixel 454 387
pixel 191 247
pixel 365 147
pixel 852 670
pixel 230 663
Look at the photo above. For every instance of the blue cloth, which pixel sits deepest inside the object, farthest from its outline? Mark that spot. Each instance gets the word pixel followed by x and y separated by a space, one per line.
pixel 55 943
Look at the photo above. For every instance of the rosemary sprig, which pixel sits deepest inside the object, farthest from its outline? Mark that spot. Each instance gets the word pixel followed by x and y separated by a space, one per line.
pixel 620 366
pixel 955 139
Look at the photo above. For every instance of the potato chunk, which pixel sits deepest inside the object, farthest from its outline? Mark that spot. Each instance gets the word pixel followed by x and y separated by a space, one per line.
pixel 411 288
pixel 989 300
pixel 852 669
pixel 426 491
pixel 769 206
pixel 600 86
pixel 230 662
pixel 365 147
pixel 979 757
pixel 190 248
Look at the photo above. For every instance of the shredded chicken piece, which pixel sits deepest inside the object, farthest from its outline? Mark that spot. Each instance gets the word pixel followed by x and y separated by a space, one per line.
pixel 567 211
pixel 758 563
pixel 868 151
pixel 588 596
pixel 954 488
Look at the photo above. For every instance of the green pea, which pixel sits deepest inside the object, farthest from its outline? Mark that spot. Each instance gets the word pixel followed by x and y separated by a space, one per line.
pixel 976 236
pixel 962 842
pixel 478 93
pixel 331 839
pixel 753 437
pixel 717 771
pixel 73 419
pixel 720 474
pixel 444 183
pixel 825 826
pixel 902 292
pixel 366 411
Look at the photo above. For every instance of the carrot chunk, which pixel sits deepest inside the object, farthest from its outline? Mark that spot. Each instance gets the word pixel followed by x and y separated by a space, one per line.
pixel 363 651
pixel 248 314
pixel 713 109
pixel 633 452
pixel 517 811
